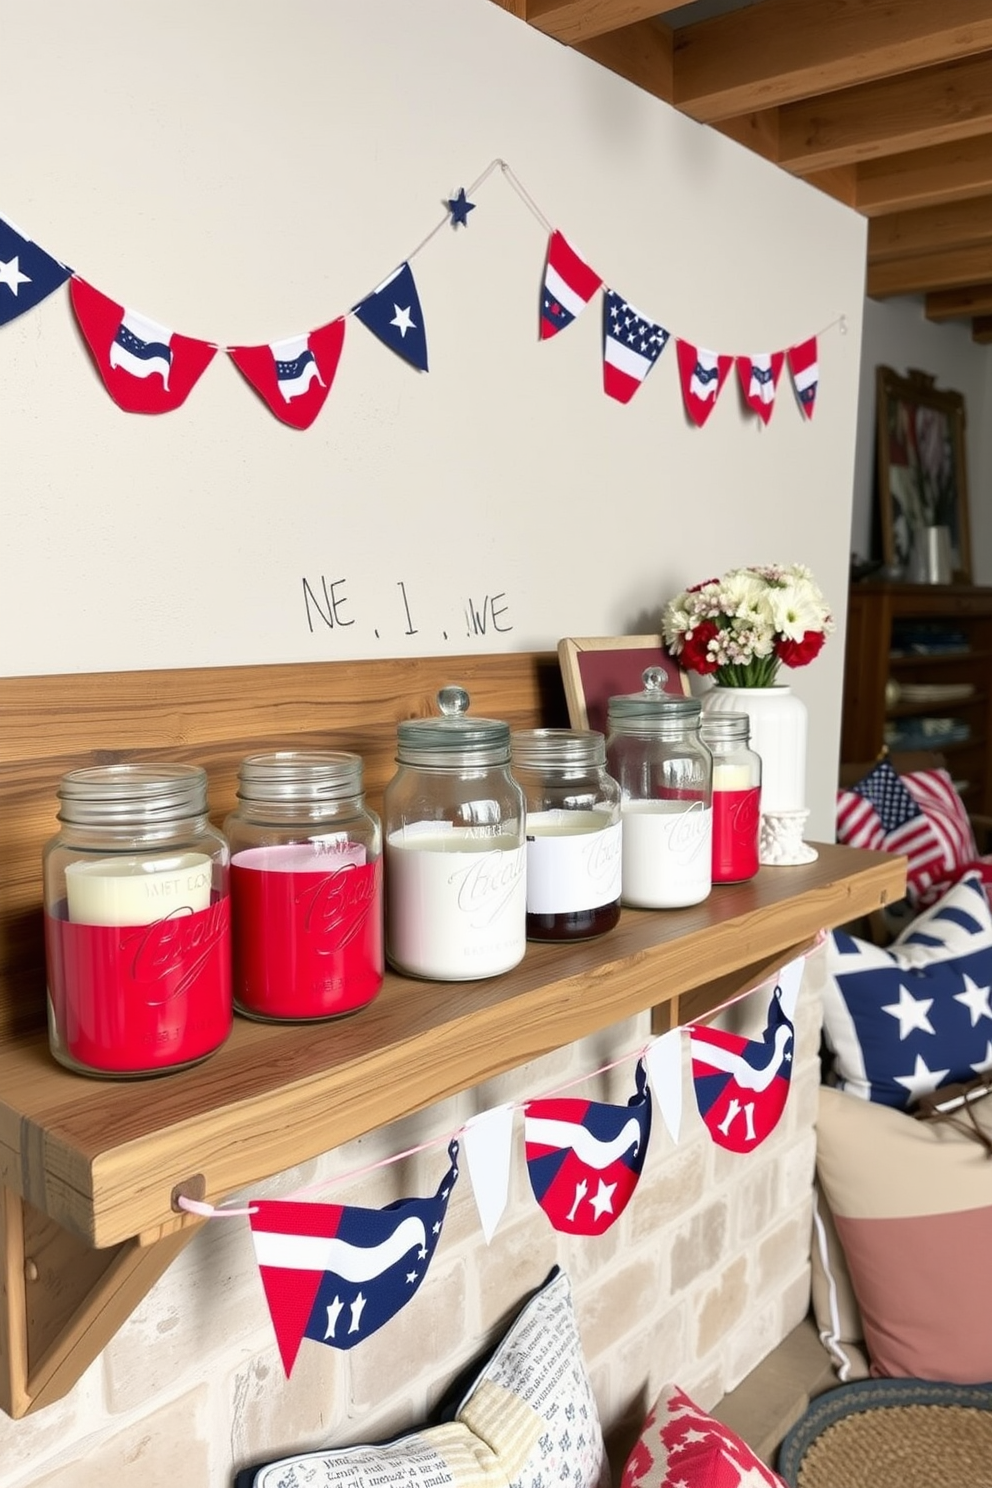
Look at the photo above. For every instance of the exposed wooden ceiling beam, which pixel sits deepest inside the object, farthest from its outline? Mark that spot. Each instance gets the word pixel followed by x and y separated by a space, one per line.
pixel 959 304
pixel 924 178
pixel 785 50
pixel 905 276
pixel 930 107
pixel 573 21
pixel 981 330
pixel 930 230
pixel 641 53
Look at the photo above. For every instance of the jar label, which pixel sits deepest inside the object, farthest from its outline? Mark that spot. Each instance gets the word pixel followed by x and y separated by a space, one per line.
pixel 573 861
pixel 307 944
pixel 456 906
pixel 667 853
pixel 736 824
pixel 136 998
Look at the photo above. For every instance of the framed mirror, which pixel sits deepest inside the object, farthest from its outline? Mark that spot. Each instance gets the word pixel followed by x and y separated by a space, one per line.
pixel 922 479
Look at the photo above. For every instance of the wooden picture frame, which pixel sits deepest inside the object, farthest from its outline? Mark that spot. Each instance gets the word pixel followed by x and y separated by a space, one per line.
pixel 596 668
pixel 922 475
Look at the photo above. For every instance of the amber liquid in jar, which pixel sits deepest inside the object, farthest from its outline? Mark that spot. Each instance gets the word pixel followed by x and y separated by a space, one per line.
pixel 578 924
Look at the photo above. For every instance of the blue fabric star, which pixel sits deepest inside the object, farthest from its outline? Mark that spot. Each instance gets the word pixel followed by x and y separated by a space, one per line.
pixel 459 207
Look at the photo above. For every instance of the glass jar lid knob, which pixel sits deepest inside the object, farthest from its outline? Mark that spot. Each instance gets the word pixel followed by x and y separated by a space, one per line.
pixel 453 701
pixel 654 679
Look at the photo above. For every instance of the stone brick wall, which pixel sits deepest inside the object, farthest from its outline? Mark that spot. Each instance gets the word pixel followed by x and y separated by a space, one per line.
pixel 702 1276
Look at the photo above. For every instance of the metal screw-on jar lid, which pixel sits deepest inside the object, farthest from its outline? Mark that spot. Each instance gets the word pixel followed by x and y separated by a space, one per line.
pixel 725 728
pixel 557 748
pixel 300 775
pixel 654 708
pixel 138 794
pixel 452 740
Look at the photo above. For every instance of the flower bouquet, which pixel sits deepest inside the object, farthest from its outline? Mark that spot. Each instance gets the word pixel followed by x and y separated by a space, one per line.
pixel 740 629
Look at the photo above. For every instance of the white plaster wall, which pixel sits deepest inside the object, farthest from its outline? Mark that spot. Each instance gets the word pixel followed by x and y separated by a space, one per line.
pixel 897 334
pixel 246 171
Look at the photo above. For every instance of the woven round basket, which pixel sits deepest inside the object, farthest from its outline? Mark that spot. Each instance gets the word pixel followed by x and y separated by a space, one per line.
pixel 892 1434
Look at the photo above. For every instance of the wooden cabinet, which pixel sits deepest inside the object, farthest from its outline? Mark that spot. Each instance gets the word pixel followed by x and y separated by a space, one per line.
pixel 918 675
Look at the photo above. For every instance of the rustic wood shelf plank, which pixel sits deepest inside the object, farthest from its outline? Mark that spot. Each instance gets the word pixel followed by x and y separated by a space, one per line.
pixel 102 1158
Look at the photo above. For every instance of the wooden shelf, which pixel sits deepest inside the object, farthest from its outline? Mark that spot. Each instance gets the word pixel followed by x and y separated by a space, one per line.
pixel 90 1169
pixel 103 1158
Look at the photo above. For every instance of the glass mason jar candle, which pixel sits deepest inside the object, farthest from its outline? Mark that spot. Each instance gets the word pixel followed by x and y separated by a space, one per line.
pixel 454 830
pixel 137 922
pixel 573 832
pixel 664 771
pixel 306 887
pixel 736 796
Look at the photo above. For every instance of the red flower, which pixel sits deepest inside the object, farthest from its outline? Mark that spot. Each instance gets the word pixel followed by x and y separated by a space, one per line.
pixel 800 653
pixel 694 653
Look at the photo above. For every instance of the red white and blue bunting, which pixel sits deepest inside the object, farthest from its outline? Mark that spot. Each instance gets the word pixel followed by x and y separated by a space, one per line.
pixel 150 368
pixel 336 1273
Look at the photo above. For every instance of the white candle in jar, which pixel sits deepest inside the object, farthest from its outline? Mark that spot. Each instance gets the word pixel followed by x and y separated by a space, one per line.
pixel 132 890
pixel 731 777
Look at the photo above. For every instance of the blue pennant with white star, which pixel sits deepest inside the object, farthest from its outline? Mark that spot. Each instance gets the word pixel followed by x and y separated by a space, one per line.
pixel 392 312
pixel 336 1273
pixel 28 274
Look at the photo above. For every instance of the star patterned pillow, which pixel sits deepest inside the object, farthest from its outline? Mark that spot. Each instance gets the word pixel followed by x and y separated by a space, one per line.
pixel 680 1446
pixel 900 1022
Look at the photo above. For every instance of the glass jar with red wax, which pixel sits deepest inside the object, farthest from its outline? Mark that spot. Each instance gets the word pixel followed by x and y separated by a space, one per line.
pixel 306 887
pixel 137 922
pixel 736 796
pixel 573 832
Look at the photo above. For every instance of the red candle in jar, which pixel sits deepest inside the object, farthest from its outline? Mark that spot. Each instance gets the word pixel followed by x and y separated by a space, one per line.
pixel 308 930
pixel 736 824
pixel 141 999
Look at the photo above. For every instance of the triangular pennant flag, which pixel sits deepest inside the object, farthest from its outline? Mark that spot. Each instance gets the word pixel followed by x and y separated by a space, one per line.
pixel 759 376
pixel 487 1139
pixel 146 368
pixel 27 273
pixel 392 312
pixel 336 1273
pixel 805 372
pixel 569 285
pixel 631 346
pixel 742 1084
pixel 663 1057
pixel 702 374
pixel 584 1157
pixel 294 376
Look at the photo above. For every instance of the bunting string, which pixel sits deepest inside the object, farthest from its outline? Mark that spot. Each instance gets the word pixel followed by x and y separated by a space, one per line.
pixel 789 975
pixel 149 368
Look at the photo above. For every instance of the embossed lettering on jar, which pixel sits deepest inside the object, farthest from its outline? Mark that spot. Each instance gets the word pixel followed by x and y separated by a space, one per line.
pixel 137 922
pixel 306 887
pixel 454 831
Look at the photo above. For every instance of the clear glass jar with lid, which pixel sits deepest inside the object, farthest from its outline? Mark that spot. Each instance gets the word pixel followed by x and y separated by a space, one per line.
pixel 736 796
pixel 306 887
pixel 665 773
pixel 137 922
pixel 454 833
pixel 573 832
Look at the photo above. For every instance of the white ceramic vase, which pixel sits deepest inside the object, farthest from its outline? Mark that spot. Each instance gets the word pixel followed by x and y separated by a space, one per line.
pixel 778 736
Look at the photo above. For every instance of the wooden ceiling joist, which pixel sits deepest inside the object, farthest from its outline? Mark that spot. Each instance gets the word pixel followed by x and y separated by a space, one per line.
pixel 886 105
pixel 782 51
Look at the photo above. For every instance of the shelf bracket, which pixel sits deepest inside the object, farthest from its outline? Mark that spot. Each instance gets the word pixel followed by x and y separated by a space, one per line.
pixel 700 1002
pixel 61 1301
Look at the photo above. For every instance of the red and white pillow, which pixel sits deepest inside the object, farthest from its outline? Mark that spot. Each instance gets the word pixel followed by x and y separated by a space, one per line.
pixel 940 844
pixel 680 1446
